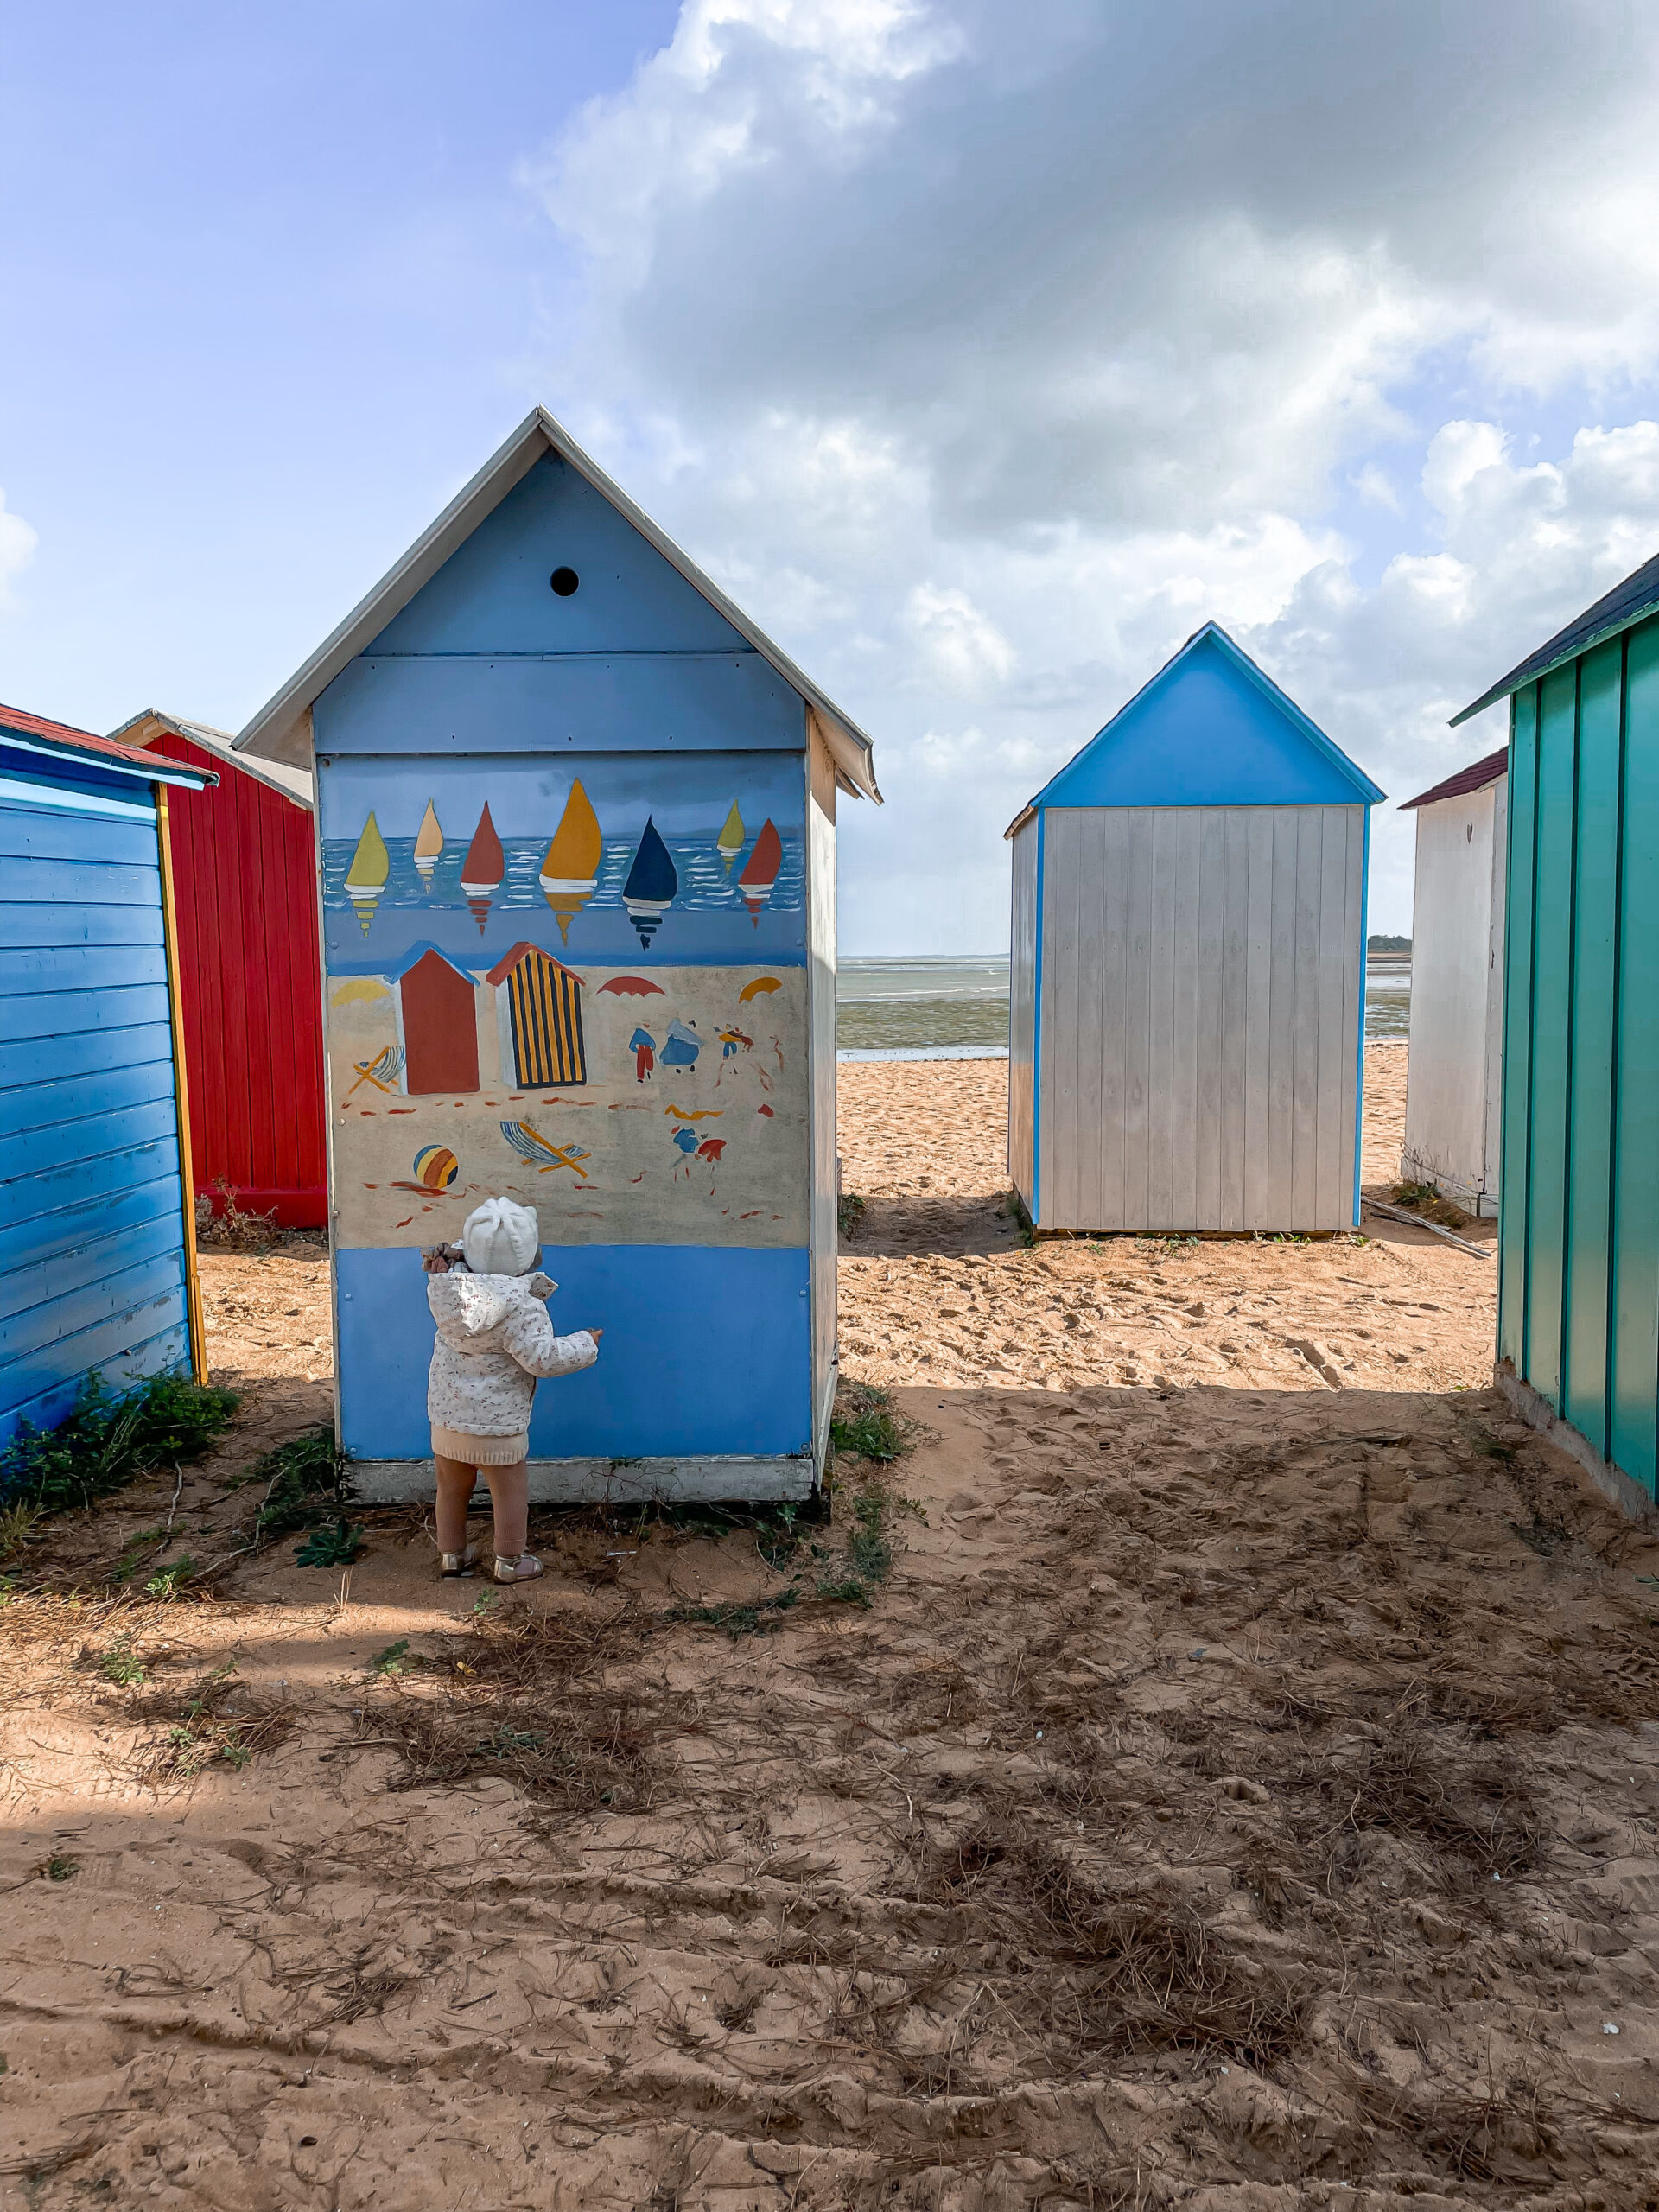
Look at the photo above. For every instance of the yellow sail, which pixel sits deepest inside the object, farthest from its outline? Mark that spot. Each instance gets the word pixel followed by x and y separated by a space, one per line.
pixel 366 879
pixel 729 843
pixel 428 844
pixel 571 866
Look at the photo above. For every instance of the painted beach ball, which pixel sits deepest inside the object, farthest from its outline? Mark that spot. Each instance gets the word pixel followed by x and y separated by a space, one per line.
pixel 437 1166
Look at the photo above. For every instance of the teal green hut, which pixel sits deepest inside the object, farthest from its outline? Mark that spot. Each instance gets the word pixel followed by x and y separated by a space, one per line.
pixel 1579 1228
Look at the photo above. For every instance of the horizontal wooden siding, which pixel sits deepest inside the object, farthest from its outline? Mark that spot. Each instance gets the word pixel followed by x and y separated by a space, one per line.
pixel 92 1269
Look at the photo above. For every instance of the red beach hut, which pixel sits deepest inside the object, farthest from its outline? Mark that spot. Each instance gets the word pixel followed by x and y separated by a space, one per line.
pixel 245 878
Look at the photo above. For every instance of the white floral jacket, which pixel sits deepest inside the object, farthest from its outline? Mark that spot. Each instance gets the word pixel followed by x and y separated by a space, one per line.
pixel 494 1338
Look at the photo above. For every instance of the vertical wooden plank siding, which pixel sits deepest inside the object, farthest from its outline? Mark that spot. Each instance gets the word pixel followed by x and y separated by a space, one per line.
pixel 1591 1045
pixel 1198 1008
pixel 1552 991
pixel 1514 1176
pixel 1022 1006
pixel 243 858
pixel 823 1225
pixel 1634 1304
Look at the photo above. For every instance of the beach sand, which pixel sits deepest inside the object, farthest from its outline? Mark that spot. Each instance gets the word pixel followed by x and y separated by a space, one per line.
pixel 1240 1792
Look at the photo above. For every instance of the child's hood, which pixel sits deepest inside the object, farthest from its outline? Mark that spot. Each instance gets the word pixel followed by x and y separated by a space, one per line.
pixel 469 1307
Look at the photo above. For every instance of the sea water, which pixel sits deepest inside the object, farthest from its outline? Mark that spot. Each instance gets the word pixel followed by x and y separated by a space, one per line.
pixel 955 1006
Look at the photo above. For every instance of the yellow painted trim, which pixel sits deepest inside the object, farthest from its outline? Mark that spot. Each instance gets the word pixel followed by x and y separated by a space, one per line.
pixel 181 1095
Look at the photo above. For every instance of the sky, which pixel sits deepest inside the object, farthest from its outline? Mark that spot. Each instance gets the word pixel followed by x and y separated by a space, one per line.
pixel 982 350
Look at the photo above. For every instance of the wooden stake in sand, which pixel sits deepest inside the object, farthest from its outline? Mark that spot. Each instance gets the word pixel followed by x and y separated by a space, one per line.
pixel 1416 1220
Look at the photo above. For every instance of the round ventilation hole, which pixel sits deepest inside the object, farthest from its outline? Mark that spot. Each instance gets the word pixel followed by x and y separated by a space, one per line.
pixel 564 581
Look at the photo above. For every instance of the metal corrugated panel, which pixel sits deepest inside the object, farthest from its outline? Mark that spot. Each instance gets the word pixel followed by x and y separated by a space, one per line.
pixel 1022 1006
pixel 1201 971
pixel 92 1260
pixel 1579 1262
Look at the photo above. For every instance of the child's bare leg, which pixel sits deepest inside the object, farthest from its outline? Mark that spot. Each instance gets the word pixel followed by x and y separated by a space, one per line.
pixel 454 1488
pixel 510 1496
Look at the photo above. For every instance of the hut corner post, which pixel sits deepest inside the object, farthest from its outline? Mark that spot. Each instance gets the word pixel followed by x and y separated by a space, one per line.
pixel 181 1095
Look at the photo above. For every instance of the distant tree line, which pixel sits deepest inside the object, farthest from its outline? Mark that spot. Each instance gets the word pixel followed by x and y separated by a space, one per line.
pixel 1388 944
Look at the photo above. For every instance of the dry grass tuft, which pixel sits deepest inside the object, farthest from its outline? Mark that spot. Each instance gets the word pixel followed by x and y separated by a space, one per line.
pixel 215 1720
pixel 581 1753
pixel 1474 1810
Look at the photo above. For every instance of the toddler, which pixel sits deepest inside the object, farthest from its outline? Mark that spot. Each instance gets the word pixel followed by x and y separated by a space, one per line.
pixel 494 1339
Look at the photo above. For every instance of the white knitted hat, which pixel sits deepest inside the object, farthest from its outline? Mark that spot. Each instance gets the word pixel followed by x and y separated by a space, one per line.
pixel 500 1238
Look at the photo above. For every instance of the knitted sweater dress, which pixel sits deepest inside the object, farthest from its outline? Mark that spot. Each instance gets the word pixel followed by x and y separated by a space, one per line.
pixel 494 1341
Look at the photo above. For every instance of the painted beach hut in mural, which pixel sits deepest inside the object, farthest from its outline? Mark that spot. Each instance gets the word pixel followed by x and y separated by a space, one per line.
pixel 98 1270
pixel 1187 976
pixel 577 821
pixel 1578 1313
pixel 245 880
pixel 1455 1080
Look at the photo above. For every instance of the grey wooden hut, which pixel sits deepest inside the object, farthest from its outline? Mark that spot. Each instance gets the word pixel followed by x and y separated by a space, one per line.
pixel 1188 965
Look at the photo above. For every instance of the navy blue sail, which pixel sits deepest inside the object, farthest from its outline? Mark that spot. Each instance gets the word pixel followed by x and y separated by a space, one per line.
pixel 653 881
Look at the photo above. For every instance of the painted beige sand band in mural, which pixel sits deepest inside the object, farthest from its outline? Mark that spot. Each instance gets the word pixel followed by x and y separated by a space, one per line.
pixel 660 1107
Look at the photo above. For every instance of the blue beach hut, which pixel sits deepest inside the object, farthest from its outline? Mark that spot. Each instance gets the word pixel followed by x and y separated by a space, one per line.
pixel 577 821
pixel 1188 951
pixel 98 1273
pixel 1577 1315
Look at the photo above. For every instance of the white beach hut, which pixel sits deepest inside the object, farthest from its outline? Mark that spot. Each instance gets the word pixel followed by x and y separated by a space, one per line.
pixel 1188 964
pixel 1454 1083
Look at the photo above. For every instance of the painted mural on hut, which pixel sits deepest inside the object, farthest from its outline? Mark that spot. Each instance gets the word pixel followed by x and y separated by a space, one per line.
pixel 591 996
pixel 688 859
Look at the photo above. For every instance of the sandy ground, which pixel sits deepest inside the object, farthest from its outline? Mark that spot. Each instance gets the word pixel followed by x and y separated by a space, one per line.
pixel 1240 1793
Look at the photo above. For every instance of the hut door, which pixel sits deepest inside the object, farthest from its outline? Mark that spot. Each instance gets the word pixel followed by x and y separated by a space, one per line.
pixel 545 1000
pixel 440 1027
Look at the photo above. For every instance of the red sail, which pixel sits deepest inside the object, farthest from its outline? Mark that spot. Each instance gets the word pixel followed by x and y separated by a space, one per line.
pixel 760 870
pixel 485 863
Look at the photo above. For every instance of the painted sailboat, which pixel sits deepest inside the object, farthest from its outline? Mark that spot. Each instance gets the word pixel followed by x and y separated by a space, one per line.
pixel 429 845
pixel 366 879
pixel 760 870
pixel 482 870
pixel 729 843
pixel 652 883
pixel 570 866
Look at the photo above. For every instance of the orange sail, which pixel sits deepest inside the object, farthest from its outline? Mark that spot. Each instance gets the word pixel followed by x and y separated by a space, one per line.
pixel 570 866
pixel 760 870
pixel 429 845
pixel 482 870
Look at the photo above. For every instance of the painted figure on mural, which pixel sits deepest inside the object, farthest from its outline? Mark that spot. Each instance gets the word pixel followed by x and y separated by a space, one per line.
pixel 683 1046
pixel 643 1045
pixel 686 1142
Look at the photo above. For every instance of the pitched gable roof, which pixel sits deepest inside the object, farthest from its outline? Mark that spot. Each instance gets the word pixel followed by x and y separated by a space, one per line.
pixel 1211 729
pixel 1475 778
pixel 35 733
pixel 1614 611
pixel 143 729
pixel 281 730
pixel 522 950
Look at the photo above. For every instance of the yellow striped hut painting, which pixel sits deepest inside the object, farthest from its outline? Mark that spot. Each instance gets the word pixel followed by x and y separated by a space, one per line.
pixel 540 1003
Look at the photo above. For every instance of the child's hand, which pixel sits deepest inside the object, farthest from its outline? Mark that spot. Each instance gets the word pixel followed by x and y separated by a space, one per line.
pixel 595 1334
pixel 435 1261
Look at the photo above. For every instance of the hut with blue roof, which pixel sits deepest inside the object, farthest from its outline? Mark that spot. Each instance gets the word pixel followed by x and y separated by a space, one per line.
pixel 1188 948
pixel 577 823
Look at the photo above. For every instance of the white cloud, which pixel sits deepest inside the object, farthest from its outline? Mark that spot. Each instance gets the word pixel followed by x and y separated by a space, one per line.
pixel 984 351
pixel 958 646
pixel 17 544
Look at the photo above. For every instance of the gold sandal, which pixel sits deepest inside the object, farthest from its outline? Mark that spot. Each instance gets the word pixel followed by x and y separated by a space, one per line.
pixel 525 1568
pixel 451 1564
